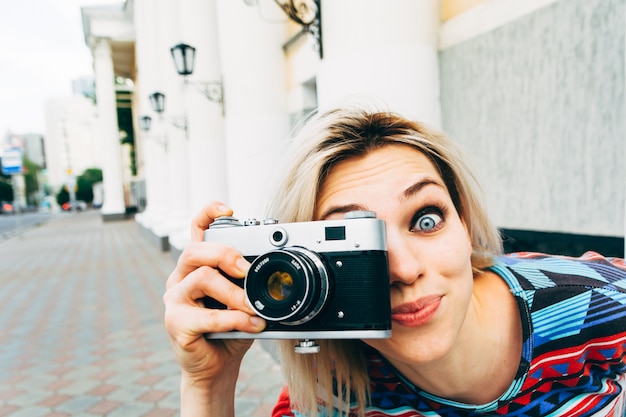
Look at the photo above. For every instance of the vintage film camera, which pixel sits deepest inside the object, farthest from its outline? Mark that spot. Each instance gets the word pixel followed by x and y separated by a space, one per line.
pixel 324 279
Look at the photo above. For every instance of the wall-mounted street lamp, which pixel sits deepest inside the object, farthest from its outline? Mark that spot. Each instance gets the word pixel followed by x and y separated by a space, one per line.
pixel 157 101
pixel 306 13
pixel 184 57
pixel 145 122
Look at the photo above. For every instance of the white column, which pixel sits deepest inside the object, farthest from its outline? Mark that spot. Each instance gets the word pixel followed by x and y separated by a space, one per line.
pixel 207 154
pixel 255 86
pixel 113 206
pixel 206 157
pixel 153 145
pixel 383 50
pixel 168 82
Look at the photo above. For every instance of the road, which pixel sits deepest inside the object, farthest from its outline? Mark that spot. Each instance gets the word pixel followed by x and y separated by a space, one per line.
pixel 14 224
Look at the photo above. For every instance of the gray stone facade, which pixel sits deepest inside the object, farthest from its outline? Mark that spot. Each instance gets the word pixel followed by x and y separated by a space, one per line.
pixel 539 104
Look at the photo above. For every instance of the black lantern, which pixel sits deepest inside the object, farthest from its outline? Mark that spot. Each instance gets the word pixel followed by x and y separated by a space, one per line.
pixel 184 58
pixel 306 13
pixel 145 122
pixel 157 100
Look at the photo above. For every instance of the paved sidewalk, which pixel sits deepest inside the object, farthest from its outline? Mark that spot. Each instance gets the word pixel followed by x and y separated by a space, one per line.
pixel 81 326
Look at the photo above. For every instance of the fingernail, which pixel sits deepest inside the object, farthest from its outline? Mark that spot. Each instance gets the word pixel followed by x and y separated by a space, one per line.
pixel 223 209
pixel 257 322
pixel 242 265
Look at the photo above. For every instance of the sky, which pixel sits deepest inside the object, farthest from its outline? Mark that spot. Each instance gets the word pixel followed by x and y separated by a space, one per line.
pixel 42 49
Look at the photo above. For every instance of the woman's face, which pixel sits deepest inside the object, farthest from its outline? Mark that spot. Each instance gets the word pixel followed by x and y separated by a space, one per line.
pixel 428 247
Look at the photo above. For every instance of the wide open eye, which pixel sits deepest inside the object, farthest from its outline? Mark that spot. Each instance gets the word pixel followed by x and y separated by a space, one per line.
pixel 428 220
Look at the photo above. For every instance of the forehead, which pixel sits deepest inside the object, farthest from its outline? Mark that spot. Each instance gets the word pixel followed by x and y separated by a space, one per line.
pixel 385 162
pixel 384 172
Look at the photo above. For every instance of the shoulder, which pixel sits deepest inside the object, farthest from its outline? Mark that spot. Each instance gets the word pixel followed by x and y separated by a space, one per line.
pixel 535 271
pixel 568 301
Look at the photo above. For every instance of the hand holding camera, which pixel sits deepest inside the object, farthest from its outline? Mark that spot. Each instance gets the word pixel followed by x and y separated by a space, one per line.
pixel 207 365
pixel 307 280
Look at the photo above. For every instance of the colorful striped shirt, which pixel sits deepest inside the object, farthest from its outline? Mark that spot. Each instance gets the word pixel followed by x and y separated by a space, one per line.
pixel 573 313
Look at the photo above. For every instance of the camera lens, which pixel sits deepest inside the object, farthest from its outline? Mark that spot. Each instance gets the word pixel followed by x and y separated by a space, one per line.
pixel 288 285
pixel 280 285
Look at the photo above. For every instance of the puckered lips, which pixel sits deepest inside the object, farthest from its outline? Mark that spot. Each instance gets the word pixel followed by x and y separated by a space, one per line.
pixel 416 313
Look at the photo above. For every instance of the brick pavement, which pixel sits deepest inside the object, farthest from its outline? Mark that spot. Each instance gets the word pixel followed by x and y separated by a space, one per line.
pixel 81 326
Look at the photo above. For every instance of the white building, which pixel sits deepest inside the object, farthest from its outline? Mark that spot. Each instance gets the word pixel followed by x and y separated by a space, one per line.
pixel 70 139
pixel 533 89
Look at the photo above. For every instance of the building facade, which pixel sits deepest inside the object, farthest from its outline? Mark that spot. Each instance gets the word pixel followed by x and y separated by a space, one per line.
pixel 533 90
pixel 71 144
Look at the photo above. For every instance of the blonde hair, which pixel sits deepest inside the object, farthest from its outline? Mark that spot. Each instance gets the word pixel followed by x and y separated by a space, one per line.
pixel 324 141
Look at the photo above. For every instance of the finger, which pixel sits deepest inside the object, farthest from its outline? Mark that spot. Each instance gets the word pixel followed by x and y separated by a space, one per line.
pixel 205 217
pixel 207 282
pixel 215 321
pixel 181 302
pixel 215 255
pixel 186 323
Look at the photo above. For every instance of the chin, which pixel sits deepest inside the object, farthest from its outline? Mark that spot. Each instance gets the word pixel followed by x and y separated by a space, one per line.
pixel 411 346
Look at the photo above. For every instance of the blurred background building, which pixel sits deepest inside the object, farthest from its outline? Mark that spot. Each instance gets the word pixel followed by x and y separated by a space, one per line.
pixel 533 90
pixel 30 148
pixel 54 159
pixel 71 145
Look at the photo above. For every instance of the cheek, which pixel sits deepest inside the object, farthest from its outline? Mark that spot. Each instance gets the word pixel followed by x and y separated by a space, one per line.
pixel 454 257
pixel 452 261
pixel 458 270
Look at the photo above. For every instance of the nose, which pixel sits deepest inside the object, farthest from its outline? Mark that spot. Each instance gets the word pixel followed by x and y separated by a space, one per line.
pixel 405 265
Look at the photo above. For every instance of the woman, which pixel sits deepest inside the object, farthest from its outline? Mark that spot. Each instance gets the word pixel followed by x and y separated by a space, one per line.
pixel 474 332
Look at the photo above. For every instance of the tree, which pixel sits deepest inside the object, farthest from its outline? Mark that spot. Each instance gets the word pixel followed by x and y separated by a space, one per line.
pixel 92 175
pixel 30 171
pixel 63 196
pixel 6 186
pixel 84 186
pixel 6 191
pixel 31 181
pixel 84 189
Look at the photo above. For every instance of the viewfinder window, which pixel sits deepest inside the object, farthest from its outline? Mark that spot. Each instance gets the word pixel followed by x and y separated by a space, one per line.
pixel 336 233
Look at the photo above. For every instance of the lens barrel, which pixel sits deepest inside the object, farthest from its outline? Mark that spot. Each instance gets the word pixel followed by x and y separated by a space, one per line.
pixel 289 285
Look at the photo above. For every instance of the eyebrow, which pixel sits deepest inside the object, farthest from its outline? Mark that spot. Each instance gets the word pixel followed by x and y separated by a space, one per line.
pixel 407 193
pixel 418 186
